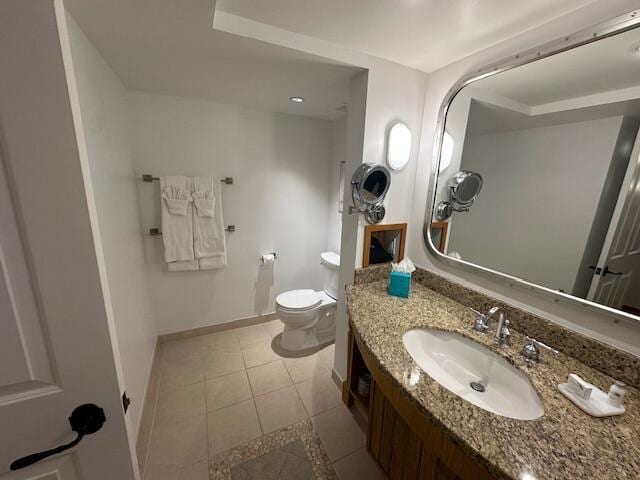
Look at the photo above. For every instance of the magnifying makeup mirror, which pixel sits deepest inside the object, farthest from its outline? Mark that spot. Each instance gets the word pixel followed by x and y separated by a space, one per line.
pixel 463 190
pixel 465 187
pixel 369 185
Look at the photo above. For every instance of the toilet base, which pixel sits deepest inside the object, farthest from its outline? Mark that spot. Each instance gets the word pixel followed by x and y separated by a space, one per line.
pixel 322 333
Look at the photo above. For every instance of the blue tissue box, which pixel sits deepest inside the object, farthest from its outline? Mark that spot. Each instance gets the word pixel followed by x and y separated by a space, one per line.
pixel 399 284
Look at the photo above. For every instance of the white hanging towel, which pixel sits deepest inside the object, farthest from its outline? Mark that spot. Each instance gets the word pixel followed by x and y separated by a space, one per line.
pixel 183 266
pixel 208 225
pixel 177 222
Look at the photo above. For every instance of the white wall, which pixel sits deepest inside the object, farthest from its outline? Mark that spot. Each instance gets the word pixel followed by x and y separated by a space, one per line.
pixel 392 93
pixel 104 117
pixel 621 334
pixel 541 188
pixel 280 201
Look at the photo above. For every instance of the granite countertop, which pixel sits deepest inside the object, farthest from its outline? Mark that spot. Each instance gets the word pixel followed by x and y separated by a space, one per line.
pixel 565 443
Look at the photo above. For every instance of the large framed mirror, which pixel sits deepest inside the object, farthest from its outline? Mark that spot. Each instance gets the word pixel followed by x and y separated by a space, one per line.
pixel 553 134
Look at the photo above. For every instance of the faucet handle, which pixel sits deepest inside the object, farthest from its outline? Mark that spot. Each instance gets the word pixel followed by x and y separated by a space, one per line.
pixel 480 325
pixel 505 333
pixel 531 353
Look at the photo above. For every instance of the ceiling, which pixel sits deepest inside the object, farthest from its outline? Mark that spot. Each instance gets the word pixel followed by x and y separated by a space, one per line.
pixel 423 34
pixel 602 66
pixel 170 47
pixel 485 118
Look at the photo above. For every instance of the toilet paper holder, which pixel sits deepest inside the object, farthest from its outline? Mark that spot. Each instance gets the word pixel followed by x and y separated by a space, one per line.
pixel 262 259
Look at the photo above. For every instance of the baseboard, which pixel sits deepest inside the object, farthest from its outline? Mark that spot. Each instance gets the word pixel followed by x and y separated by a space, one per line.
pixel 220 327
pixel 337 379
pixel 149 408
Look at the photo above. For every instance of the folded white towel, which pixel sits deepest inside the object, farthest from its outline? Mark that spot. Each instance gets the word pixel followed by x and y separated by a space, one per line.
pixel 208 230
pixel 177 199
pixel 177 219
pixel 204 203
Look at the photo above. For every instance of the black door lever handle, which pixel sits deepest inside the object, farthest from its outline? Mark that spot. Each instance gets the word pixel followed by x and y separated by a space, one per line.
pixel 603 271
pixel 606 272
pixel 85 420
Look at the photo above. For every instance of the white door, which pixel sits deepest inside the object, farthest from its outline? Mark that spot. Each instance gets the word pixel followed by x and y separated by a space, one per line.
pixel 619 263
pixel 55 347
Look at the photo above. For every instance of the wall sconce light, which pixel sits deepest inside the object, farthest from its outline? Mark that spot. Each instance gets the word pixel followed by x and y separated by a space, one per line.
pixel 398 146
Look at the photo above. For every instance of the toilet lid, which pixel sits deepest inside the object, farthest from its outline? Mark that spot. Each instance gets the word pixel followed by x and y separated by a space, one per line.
pixel 299 299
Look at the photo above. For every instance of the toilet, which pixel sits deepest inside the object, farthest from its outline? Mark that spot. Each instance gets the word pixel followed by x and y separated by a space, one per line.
pixel 309 316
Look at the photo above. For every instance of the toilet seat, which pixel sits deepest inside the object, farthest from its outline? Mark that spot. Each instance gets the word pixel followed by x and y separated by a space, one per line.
pixel 299 300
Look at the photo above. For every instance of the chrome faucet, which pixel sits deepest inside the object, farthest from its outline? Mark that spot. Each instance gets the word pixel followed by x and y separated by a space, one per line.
pixel 503 333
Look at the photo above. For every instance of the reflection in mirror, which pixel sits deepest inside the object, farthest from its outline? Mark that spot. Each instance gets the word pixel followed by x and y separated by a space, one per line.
pixel 555 144
pixel 374 186
pixel 463 190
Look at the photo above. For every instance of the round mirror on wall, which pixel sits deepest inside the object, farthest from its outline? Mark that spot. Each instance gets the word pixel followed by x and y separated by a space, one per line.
pixel 369 185
pixel 465 187
pixel 398 146
pixel 463 190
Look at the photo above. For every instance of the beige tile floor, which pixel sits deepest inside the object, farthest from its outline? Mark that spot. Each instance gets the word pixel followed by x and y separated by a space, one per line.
pixel 223 390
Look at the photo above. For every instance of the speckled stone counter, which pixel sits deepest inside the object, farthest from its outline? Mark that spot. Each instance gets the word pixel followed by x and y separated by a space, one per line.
pixel 564 444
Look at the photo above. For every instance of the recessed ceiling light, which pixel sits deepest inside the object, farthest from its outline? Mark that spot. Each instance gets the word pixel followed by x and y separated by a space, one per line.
pixel 296 99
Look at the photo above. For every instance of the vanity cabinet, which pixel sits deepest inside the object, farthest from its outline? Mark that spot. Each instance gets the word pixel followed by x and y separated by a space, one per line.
pixel 406 444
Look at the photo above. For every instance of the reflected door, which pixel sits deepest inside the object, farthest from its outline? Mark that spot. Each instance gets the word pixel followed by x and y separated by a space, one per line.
pixel 55 348
pixel 619 264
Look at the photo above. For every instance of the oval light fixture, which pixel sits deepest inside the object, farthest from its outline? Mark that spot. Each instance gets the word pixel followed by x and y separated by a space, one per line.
pixel 398 146
pixel 447 152
pixel 296 99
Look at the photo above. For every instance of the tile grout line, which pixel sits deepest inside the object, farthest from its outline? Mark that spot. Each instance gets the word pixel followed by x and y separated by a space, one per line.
pixel 253 400
pixel 333 462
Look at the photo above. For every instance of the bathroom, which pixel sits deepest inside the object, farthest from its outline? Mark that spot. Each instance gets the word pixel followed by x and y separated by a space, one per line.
pixel 334 139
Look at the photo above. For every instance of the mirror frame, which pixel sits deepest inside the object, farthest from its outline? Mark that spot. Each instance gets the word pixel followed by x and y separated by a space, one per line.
pixel 617 25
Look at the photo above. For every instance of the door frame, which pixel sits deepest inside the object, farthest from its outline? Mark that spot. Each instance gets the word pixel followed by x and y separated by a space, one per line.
pixel 632 174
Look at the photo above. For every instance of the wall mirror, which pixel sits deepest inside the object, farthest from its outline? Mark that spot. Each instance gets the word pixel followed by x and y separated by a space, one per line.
pixel 553 134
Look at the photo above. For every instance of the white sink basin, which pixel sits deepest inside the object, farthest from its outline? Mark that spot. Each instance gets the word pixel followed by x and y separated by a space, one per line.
pixel 465 368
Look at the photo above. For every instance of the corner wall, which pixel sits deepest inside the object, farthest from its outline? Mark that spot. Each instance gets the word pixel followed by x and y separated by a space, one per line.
pixel 103 110
pixel 392 93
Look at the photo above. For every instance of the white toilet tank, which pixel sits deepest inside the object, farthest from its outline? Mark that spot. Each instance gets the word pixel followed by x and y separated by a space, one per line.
pixel 330 267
